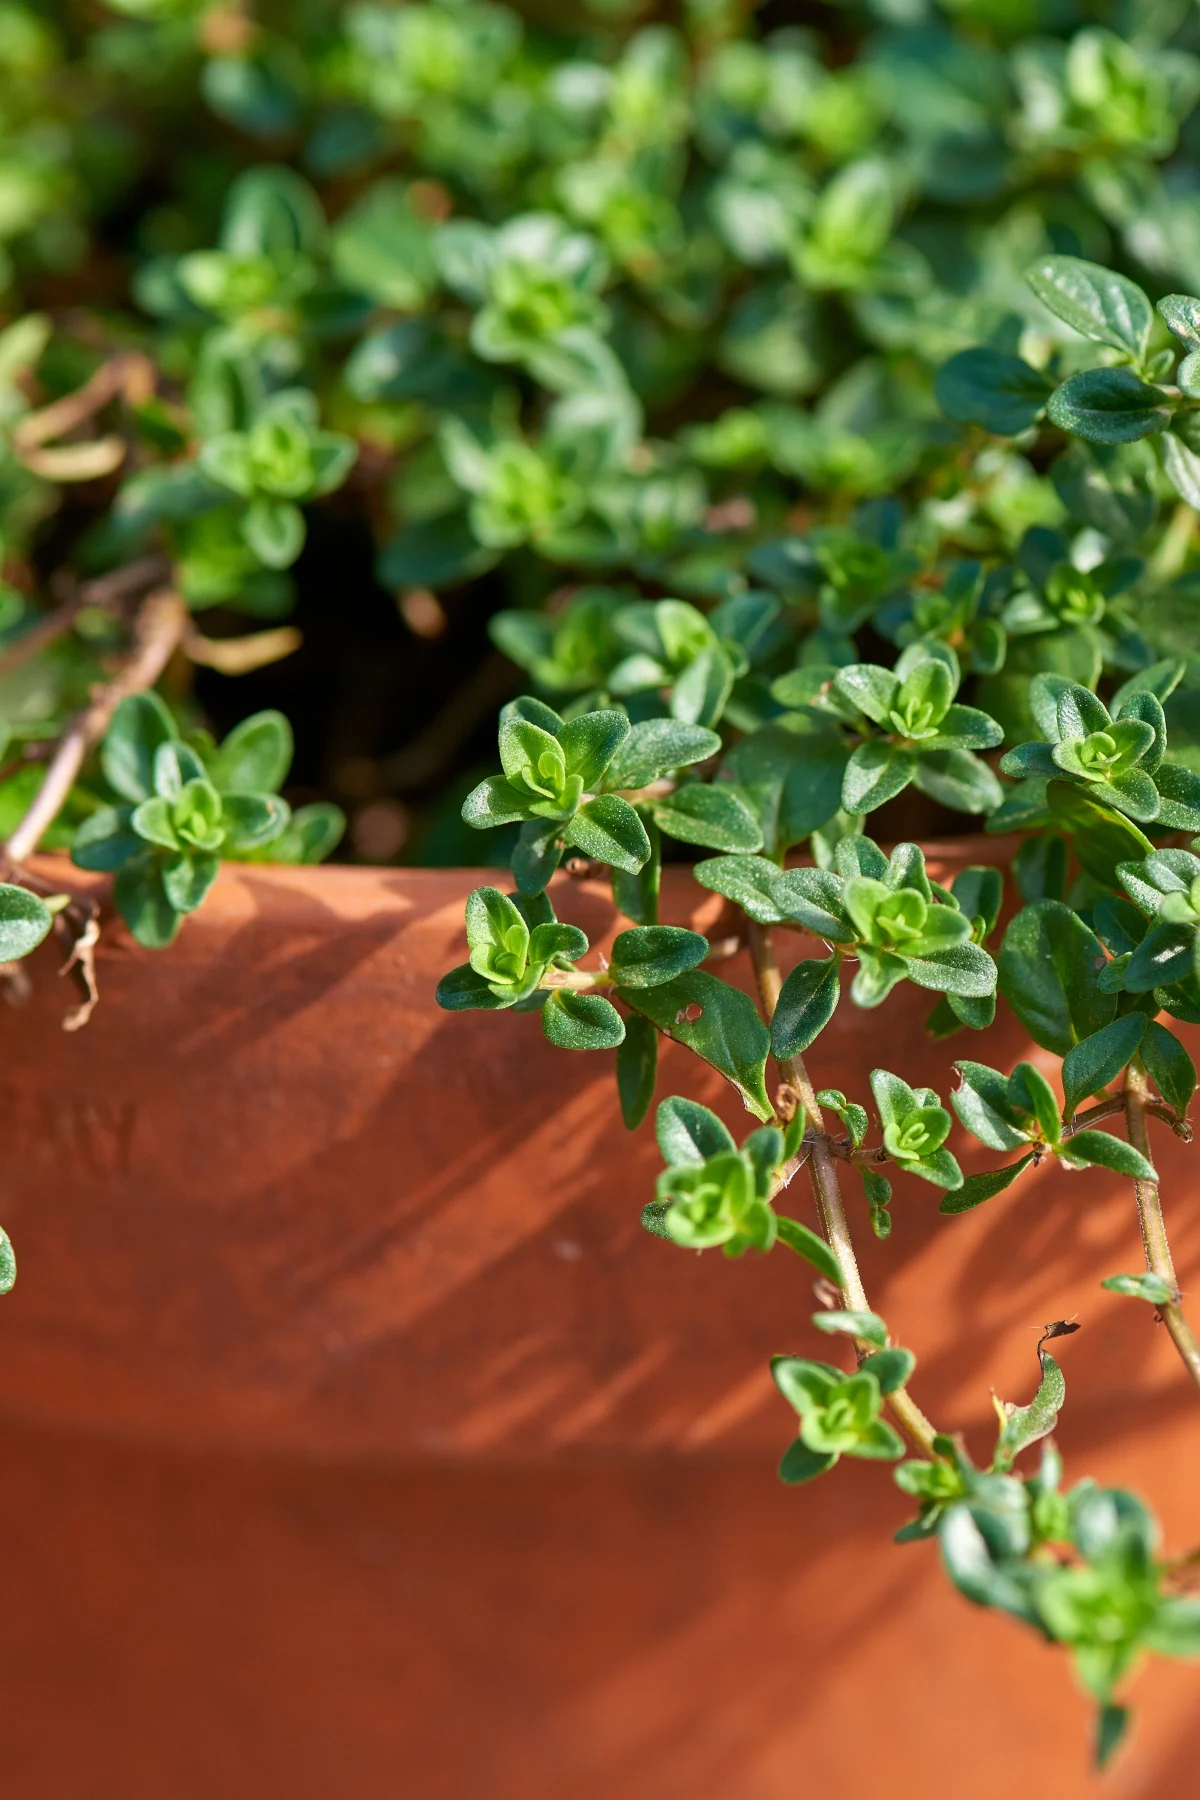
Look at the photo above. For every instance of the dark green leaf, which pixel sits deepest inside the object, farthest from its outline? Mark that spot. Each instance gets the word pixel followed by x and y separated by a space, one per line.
pixel 812 1248
pixel 1101 305
pixel 985 387
pixel 1100 1147
pixel 575 1021
pixel 1112 1722
pixel 658 747
pixel 714 816
pixel 688 1133
pixel 877 772
pixel 8 1264
pixel 637 1068
pixel 891 1368
pixel 799 1463
pixel 463 990
pixel 718 1023
pixel 1091 1064
pixel 1048 974
pixel 637 895
pixel 807 1002
pixel 651 954
pixel 1102 836
pixel 142 903
pixel 1108 406
pixel 978 1188
pixel 1169 1065
pixel 609 830
pixel 746 880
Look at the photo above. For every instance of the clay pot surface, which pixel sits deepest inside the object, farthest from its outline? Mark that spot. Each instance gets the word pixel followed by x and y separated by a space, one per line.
pixel 359 1434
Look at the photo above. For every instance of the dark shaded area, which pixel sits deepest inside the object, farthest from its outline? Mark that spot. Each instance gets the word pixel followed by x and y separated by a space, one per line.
pixel 376 709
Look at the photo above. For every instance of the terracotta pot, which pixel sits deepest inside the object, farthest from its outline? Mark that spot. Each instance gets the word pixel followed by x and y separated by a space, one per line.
pixel 359 1440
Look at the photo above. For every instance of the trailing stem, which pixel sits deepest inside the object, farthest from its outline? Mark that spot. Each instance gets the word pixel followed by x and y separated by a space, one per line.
pixel 822 1168
pixel 1154 1230
pixel 161 621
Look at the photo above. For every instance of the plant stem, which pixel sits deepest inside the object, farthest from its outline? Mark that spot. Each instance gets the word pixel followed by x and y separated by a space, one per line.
pixel 161 622
pixel 1154 1230
pixel 823 1174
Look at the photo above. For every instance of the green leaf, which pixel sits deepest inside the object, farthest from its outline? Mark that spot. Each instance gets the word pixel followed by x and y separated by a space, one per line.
pixel 106 839
pixel 142 902
pixel 1028 1424
pixel 495 802
pixel 609 830
pixel 637 895
pixel 464 990
pixel 1100 1147
pixel 274 530
pixel 252 820
pixel 807 1002
pixel 790 773
pixel 1108 406
pixel 891 1368
pixel 1112 1722
pixel 985 1105
pixel 1103 306
pixel 713 816
pixel 24 922
pixel 812 1248
pixel 985 387
pixel 1103 837
pixel 978 1188
pixel 188 877
pixel 865 1325
pixel 746 880
pixel 877 772
pixel 1169 1065
pixel 140 724
pixel 964 970
pixel 688 1133
pixel 1145 1286
pixel 958 779
pixel 575 1021
pixel 1091 1064
pixel 799 1463
pixel 718 1022
pixel 8 1264
pixel 1048 966
pixel 590 742
pixel 254 758
pixel 658 747
pixel 1182 315
pixel 651 954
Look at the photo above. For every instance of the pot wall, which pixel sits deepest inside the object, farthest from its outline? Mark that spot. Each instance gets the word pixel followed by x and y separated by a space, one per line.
pixel 359 1440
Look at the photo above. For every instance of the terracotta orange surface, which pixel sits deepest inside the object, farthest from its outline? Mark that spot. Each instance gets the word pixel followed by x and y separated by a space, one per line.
pixel 359 1440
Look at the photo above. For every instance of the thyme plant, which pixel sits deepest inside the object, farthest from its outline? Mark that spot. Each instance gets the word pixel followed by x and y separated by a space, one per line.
pixel 814 411
pixel 666 742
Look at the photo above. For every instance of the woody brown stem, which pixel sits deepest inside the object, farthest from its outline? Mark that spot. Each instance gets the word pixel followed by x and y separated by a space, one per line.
pixel 1154 1231
pixel 160 625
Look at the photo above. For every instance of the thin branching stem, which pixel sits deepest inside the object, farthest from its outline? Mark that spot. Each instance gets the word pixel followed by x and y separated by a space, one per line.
pixel 161 622
pixel 1154 1230
pixel 822 1168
